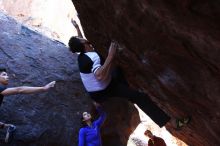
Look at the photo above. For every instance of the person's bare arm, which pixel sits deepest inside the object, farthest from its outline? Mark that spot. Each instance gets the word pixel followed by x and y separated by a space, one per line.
pixel 105 70
pixel 27 90
pixel 77 28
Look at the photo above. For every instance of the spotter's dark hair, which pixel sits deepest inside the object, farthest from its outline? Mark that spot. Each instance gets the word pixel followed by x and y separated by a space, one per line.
pixel 2 69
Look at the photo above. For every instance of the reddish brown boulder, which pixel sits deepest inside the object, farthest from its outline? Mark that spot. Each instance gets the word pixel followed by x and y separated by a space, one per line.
pixel 172 51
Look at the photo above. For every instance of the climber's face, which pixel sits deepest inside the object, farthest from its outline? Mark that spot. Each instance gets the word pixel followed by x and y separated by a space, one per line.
pixel 87 45
pixel 86 116
pixel 4 78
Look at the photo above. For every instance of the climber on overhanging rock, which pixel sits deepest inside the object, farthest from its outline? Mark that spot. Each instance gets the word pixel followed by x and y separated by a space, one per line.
pixel 4 78
pixel 89 134
pixel 96 75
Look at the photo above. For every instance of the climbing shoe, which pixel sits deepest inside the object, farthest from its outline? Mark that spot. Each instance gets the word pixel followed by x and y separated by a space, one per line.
pixel 182 122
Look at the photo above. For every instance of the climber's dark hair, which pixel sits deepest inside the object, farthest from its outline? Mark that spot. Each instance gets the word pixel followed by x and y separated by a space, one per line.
pixel 2 69
pixel 75 45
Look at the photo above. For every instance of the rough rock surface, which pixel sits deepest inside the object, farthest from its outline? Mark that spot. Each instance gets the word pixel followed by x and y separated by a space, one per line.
pixel 171 51
pixel 52 118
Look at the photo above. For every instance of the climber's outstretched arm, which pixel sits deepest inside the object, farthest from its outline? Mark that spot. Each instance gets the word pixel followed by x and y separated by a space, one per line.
pixel 77 28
